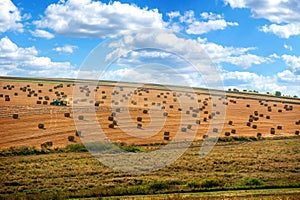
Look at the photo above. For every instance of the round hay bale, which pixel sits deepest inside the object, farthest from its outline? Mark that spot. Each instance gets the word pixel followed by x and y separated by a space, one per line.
pixel 230 122
pixel 279 127
pixel 258 135
pixel 227 134
pixel 45 102
pixel 165 114
pixel 67 114
pixel 233 131
pixel 297 132
pixel 110 118
pixel 189 126
pixel 15 116
pixel 166 137
pixel 254 126
pixel 139 119
pixel 166 133
pixel 71 138
pixel 272 131
pixel 183 129
pixel 215 130
pixel 80 117
pixel 145 111
pixel 38 102
pixel 41 126
pixel 248 123
pixel 115 122
pixel 139 125
pixel 111 126
pixel 268 117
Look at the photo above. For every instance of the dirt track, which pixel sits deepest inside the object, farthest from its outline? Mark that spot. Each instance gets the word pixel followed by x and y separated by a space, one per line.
pixel 23 97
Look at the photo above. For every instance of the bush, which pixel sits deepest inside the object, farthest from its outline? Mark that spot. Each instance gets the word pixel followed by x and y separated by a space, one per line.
pixel 159 185
pixel 76 148
pixel 193 184
pixel 250 182
pixel 210 183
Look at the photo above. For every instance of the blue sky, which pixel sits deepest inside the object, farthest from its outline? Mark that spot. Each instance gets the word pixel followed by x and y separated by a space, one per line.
pixel 253 44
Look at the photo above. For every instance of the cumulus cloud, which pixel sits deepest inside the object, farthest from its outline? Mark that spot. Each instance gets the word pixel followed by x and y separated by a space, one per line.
pixel 284 14
pixel 283 31
pixel 233 55
pixel 16 60
pixel 293 62
pixel 207 22
pixel 42 34
pixel 10 17
pixel 87 18
pixel 65 49
pixel 252 81
pixel 289 76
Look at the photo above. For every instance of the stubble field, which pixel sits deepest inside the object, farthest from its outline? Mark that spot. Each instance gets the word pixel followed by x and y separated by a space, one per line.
pixel 258 148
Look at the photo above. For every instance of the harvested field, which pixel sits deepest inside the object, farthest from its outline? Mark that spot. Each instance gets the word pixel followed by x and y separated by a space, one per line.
pixel 246 115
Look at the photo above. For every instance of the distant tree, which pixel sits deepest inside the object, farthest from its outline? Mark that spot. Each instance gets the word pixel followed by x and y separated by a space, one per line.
pixel 295 96
pixel 229 89
pixel 278 94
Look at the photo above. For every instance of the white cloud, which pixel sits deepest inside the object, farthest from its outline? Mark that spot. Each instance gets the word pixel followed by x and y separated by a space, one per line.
pixel 289 76
pixel 237 56
pixel 277 11
pixel 42 34
pixel 210 15
pixel 209 22
pixel 253 81
pixel 188 17
pixel 288 47
pixel 283 31
pixel 173 14
pixel 16 60
pixel 235 3
pixel 87 18
pixel 293 62
pixel 285 14
pixel 66 49
pixel 10 17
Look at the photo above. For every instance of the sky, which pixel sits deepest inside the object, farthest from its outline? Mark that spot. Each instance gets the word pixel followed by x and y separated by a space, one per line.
pixel 250 44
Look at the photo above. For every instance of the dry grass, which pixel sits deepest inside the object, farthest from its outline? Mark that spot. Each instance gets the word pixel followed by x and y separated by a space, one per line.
pixel 230 166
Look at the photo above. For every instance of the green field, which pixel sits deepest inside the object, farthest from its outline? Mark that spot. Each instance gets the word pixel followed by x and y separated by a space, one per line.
pixel 269 165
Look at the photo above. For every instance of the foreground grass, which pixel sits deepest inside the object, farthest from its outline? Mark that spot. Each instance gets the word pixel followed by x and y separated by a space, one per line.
pixel 233 165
